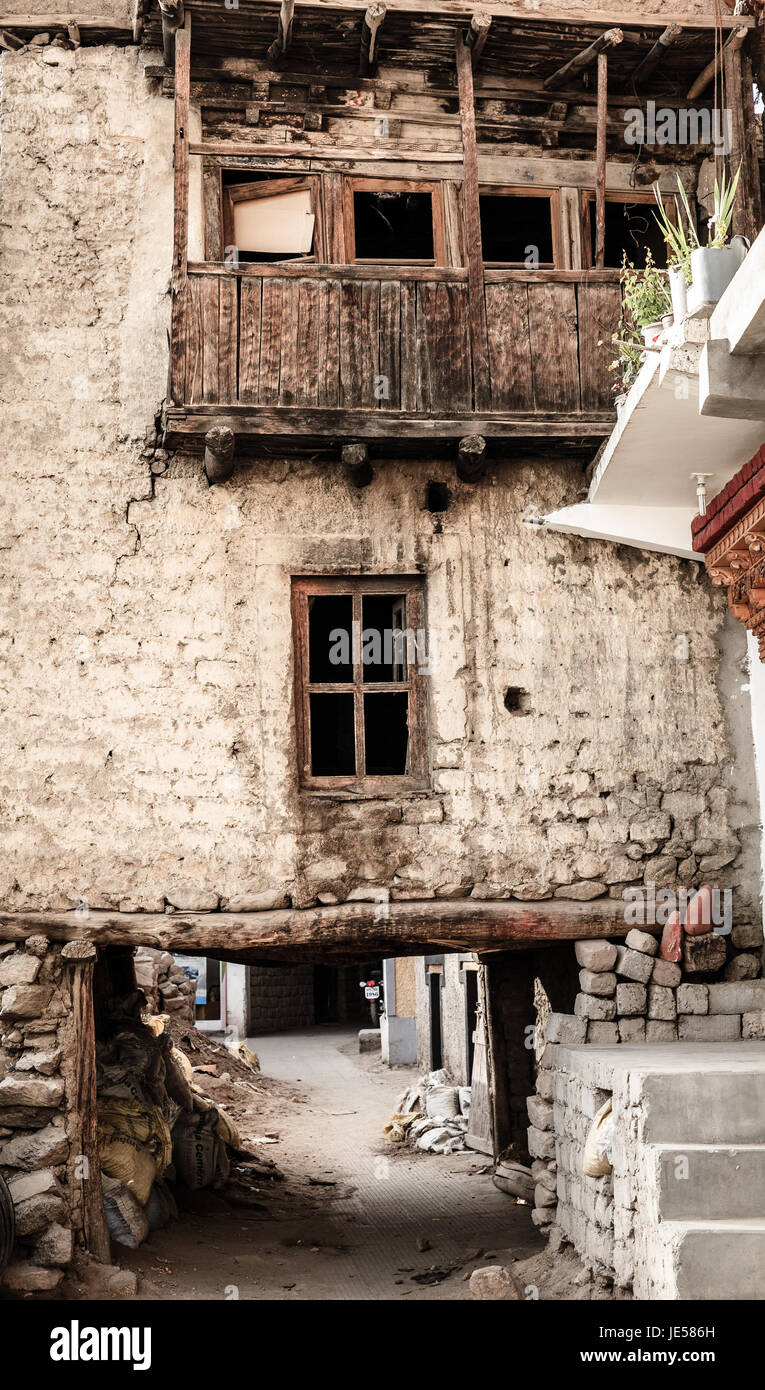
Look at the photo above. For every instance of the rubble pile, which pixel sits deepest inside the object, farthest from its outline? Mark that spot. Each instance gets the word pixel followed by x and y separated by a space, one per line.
pixel 432 1115
pixel 167 987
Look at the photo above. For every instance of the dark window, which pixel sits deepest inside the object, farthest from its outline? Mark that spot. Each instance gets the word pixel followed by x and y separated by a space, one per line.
pixel 631 228
pixel 517 229
pixel 361 663
pixel 393 226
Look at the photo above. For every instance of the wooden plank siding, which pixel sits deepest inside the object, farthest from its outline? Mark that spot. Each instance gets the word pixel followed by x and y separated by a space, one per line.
pixel 328 339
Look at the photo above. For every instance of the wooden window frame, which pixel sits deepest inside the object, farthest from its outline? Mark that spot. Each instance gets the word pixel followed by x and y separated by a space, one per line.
pixel 268 188
pixel 417 776
pixel 360 184
pixel 587 203
pixel 519 191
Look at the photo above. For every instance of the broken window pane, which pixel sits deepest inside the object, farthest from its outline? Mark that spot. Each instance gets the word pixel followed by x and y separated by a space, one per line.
pixel 392 226
pixel 383 645
pixel 516 230
pixel 330 655
pixel 279 225
pixel 386 734
pixel 333 742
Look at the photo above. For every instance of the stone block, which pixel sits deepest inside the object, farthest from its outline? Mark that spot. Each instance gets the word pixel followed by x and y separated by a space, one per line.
pixel 702 955
pixel 753 1024
pixel 661 1002
pixel 665 972
pixel 541 1142
pixel 494 1283
pixel 747 936
pixel 24 1001
pixel 631 1030
pixel 39 1059
pixel 641 941
pixel 592 1006
pixel 23 1277
pixel 543 1197
pixel 631 999
pixel 741 997
pixel 37 1212
pixel 540 1112
pixel 595 955
pixel 30 1151
pixel 709 1028
pixel 658 1030
pixel 26 1185
pixel 19 970
pixel 692 999
pixel 566 1029
pixel 32 1091
pixel 634 965
pixel 602 1034
pixel 53 1247
pixel 369 1040
pixel 744 966
pixel 597 982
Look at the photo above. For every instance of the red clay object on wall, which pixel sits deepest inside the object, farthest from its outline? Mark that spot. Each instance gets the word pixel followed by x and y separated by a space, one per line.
pixel 698 918
pixel 672 938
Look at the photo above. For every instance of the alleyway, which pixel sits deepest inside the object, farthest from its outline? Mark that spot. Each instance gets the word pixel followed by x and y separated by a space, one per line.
pixel 352 1211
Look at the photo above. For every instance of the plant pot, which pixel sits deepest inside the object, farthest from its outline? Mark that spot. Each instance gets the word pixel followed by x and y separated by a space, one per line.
pixel 651 333
pixel 667 321
pixel 712 269
pixel 678 290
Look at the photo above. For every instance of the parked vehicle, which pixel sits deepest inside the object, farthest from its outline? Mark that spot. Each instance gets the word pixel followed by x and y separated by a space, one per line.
pixel 373 992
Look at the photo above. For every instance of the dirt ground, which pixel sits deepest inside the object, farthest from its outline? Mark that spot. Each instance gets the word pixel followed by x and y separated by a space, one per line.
pixel 345 1214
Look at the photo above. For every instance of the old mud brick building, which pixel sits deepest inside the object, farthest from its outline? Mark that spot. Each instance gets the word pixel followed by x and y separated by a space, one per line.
pixel 304 309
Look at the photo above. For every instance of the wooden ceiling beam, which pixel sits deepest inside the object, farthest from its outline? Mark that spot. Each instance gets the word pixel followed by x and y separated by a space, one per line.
pixel 172 20
pixel 477 34
pixel 735 39
pixel 657 53
pixel 609 39
pixel 283 38
pixel 373 21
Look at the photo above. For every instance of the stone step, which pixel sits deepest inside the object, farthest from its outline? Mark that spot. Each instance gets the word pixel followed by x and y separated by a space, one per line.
pixel 716 1181
pixel 704 1106
pixel 715 1259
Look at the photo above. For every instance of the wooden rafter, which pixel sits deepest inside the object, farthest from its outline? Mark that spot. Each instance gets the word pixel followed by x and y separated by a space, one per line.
pixel 373 21
pixel 600 163
pixel 283 38
pixel 172 20
pixel 477 34
pixel 734 39
pixel 657 53
pixel 609 39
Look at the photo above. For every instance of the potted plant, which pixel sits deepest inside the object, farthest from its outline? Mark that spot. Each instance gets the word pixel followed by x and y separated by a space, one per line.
pixel 645 297
pixel 708 270
pixel 680 240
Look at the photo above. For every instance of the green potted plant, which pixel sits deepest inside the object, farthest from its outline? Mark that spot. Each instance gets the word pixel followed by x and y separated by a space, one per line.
pixel 645 297
pixel 707 270
pixel 680 238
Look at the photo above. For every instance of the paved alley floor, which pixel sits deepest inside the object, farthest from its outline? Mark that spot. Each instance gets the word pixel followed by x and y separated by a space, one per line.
pixel 356 1217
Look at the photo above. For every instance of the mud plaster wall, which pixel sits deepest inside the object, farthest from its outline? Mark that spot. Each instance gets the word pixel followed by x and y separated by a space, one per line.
pixel 148 723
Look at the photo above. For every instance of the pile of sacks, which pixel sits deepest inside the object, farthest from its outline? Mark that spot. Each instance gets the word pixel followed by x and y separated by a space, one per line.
pixel 155 1126
pixel 432 1115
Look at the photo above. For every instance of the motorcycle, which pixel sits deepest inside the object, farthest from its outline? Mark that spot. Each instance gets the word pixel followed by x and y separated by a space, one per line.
pixel 374 994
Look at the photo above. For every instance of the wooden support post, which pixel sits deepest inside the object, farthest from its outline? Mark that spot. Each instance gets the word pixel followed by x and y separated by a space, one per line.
pixel 471 458
pixel 734 39
pixel 172 20
pixel 371 25
pixel 655 54
pixel 219 454
pixel 739 123
pixel 583 60
pixel 358 469
pixel 472 211
pixel 283 38
pixel 477 34
pixel 181 157
pixel 84 1168
pixel 600 163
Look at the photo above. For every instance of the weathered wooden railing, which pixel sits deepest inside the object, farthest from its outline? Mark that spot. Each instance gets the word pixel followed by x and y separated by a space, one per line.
pixel 362 339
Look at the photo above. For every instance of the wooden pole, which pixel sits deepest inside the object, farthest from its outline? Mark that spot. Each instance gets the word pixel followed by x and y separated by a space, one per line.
pixel 471 458
pixel 283 38
pixel 84 1167
pixel 180 213
pixel 739 114
pixel 172 20
pixel 734 40
pixel 219 454
pixel 372 23
pixel 583 60
pixel 477 34
pixel 472 212
pixel 655 54
pixel 600 163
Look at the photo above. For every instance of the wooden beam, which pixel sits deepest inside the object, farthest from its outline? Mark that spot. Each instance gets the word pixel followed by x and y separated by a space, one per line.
pixel 358 469
pixel 600 163
pixel 583 60
pixel 657 53
pixel 181 154
pixel 357 929
pixel 736 38
pixel 739 102
pixel 334 424
pixel 84 1168
pixel 172 20
pixel 219 454
pixel 477 34
pixel 283 33
pixel 471 458
pixel 372 23
pixel 472 215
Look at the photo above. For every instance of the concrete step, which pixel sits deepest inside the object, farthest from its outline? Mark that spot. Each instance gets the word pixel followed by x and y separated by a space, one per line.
pixel 714 1181
pixel 715 1259
pixel 725 1106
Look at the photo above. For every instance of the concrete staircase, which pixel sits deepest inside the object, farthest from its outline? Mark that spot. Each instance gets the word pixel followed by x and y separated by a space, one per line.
pixel 703 1159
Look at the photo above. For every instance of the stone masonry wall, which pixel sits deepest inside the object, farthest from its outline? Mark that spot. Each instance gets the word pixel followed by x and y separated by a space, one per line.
pixel 280 998
pixel 146 648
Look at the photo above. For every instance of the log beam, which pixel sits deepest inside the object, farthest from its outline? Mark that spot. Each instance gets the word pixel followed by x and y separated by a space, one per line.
pixel 84 1168
pixel 739 103
pixel 609 39
pixel 471 458
pixel 600 163
pixel 219 454
pixel 172 20
pixel 472 214
pixel 283 38
pixel 353 931
pixel 358 469
pixel 477 34
pixel 370 28
pixel 735 40
pixel 657 53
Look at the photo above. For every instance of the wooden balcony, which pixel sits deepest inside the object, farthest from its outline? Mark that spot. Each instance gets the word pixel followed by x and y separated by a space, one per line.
pixel 373 352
